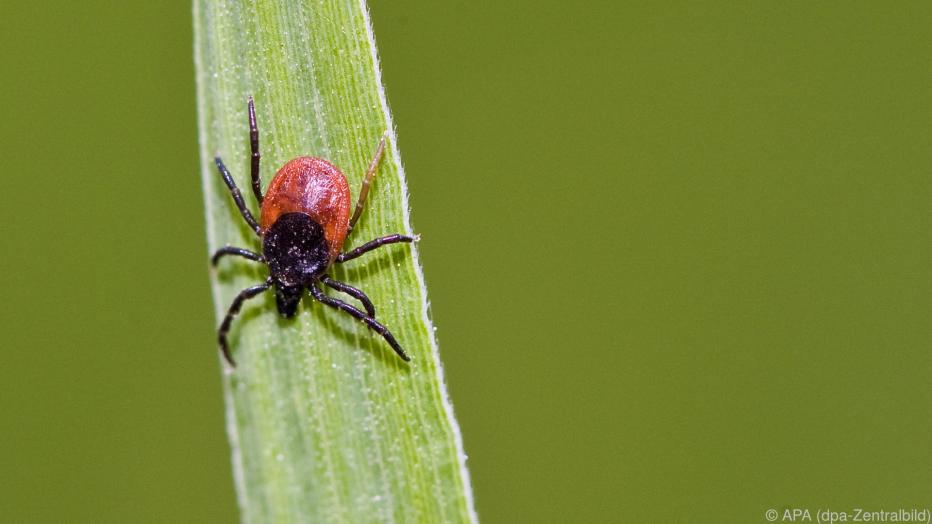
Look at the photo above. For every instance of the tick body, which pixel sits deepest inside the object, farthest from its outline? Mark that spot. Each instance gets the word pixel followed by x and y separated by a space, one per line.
pixel 304 221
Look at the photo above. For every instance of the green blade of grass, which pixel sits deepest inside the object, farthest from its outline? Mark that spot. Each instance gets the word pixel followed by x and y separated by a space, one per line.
pixel 325 422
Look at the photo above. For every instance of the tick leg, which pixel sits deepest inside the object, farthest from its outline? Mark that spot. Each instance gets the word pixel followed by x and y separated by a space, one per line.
pixel 370 322
pixel 254 145
pixel 245 294
pixel 230 250
pixel 373 244
pixel 351 291
pixel 237 196
pixel 364 190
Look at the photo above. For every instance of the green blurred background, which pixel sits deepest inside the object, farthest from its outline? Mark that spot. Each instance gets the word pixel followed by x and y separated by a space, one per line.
pixel 679 256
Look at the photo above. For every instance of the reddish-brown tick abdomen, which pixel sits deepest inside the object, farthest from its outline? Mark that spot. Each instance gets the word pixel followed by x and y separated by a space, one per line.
pixel 316 188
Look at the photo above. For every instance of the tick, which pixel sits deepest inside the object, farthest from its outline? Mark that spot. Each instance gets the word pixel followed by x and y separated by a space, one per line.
pixel 303 222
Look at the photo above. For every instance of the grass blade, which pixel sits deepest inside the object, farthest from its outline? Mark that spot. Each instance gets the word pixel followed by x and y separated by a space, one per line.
pixel 326 423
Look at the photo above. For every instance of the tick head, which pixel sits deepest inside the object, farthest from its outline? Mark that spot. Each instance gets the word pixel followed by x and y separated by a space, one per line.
pixel 287 299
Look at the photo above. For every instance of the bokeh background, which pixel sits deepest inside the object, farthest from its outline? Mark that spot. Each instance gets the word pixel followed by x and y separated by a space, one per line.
pixel 678 254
